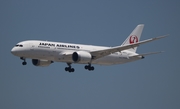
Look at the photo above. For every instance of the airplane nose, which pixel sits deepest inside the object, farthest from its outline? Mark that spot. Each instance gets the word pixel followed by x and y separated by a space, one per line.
pixel 13 51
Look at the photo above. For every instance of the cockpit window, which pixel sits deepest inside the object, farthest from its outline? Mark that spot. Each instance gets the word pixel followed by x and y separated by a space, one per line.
pixel 18 45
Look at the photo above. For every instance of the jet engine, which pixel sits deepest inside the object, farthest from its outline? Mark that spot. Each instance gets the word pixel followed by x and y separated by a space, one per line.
pixel 41 63
pixel 81 57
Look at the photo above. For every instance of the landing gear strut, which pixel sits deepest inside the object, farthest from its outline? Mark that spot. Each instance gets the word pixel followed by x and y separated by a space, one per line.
pixel 69 69
pixel 89 67
pixel 24 61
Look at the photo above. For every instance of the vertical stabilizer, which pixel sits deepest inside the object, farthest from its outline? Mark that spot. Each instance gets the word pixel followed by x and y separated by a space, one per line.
pixel 134 37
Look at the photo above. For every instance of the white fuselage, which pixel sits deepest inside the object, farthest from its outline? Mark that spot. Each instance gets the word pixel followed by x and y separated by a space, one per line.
pixel 43 53
pixel 61 52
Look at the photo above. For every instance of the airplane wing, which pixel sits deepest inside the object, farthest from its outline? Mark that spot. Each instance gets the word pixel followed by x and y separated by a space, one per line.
pixel 105 52
pixel 145 54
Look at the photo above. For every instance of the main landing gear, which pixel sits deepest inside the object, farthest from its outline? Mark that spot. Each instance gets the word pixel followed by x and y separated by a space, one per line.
pixel 24 61
pixel 69 69
pixel 89 67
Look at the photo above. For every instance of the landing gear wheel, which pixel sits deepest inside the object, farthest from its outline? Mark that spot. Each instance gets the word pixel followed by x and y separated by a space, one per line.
pixel 24 63
pixel 72 70
pixel 89 67
pixel 69 69
pixel 86 67
pixel 66 69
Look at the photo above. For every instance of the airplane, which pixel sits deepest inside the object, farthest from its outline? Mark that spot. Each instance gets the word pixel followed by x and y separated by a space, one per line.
pixel 43 53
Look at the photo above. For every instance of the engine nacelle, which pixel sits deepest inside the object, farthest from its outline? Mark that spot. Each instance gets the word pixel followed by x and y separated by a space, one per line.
pixel 41 63
pixel 81 57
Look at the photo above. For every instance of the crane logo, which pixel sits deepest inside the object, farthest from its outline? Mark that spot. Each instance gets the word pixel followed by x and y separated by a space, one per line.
pixel 133 39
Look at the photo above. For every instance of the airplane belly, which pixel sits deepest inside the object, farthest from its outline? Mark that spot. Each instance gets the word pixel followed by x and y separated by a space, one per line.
pixel 37 53
pixel 114 59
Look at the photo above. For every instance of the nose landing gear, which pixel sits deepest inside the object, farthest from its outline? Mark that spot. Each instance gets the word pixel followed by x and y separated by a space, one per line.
pixel 24 61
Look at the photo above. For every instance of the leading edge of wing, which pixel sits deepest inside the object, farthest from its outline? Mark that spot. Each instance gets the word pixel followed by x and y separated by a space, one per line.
pixel 105 52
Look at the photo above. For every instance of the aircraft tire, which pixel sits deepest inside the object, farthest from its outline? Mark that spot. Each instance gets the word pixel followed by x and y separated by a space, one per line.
pixel 24 63
pixel 69 69
pixel 86 67
pixel 66 69
pixel 72 70
pixel 91 68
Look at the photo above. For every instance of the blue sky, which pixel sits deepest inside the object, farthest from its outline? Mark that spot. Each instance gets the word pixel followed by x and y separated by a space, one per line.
pixel 145 84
